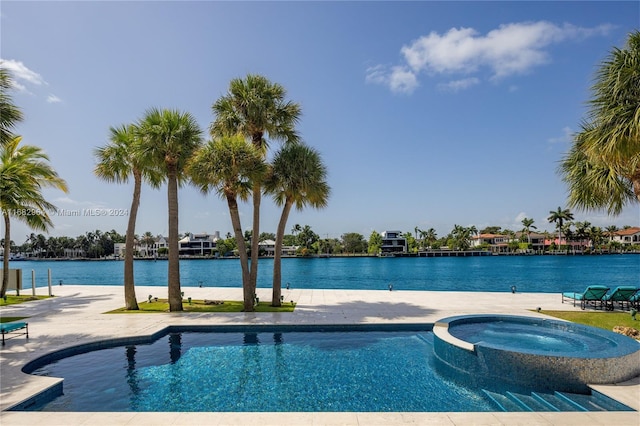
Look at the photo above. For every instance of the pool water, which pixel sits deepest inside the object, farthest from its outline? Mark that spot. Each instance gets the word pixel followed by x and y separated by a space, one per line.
pixel 530 337
pixel 266 371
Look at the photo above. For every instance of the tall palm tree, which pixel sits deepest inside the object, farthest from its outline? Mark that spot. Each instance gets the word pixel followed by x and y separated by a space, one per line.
pixel 559 217
pixel 24 172
pixel 10 114
pixel 258 109
pixel 602 167
pixel 168 140
pixel 117 161
pixel 528 224
pixel 228 166
pixel 298 178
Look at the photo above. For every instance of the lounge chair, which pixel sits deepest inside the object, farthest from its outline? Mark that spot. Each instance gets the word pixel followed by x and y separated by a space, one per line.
pixel 592 295
pixel 14 328
pixel 634 300
pixel 621 295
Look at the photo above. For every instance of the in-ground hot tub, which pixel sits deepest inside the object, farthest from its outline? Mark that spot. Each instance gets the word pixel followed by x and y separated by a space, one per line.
pixel 538 353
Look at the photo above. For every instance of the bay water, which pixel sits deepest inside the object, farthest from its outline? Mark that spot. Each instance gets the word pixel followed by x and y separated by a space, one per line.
pixel 538 274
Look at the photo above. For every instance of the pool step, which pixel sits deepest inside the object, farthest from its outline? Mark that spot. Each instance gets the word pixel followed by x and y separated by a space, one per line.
pixel 558 401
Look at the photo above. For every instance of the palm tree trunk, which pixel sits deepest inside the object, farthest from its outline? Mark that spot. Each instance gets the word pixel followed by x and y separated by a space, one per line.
pixel 6 253
pixel 247 290
pixel 255 236
pixel 175 298
pixel 130 301
pixel 277 256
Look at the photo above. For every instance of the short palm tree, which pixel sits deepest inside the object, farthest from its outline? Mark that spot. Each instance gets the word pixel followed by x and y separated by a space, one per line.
pixel 297 178
pixel 24 172
pixel 559 217
pixel 228 166
pixel 10 114
pixel 117 161
pixel 602 167
pixel 257 109
pixel 168 140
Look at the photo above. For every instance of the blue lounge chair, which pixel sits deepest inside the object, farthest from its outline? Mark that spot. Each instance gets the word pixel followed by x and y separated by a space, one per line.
pixel 592 295
pixel 634 300
pixel 14 328
pixel 621 295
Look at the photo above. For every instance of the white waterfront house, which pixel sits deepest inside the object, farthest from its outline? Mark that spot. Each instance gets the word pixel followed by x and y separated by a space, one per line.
pixel 627 236
pixel 198 244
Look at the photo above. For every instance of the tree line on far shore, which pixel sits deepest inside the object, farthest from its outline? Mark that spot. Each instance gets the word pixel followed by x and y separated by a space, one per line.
pixel 100 244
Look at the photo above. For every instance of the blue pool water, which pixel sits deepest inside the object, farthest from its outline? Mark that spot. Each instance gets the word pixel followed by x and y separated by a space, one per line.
pixel 266 371
pixel 548 274
pixel 520 336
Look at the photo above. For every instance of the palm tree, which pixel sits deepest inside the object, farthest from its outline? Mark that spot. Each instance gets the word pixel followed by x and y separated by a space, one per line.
pixel 168 140
pixel 148 240
pixel 611 231
pixel 559 217
pixel 24 172
pixel 256 108
pixel 119 160
pixel 528 224
pixel 228 166
pixel 602 167
pixel 298 177
pixel 10 114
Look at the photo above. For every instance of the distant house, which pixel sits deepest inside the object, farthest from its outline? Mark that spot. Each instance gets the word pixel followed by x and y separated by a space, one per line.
pixel 197 245
pixel 627 236
pixel 118 250
pixel 497 242
pixel 536 239
pixel 268 248
pixel 393 242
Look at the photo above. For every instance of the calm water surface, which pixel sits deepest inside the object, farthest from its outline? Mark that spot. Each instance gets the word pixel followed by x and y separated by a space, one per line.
pixel 488 273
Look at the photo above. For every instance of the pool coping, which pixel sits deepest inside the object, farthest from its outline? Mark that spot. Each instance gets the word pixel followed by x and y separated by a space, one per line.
pixel 72 319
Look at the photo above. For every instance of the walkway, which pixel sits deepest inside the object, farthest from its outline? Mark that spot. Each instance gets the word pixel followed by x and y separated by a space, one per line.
pixel 75 317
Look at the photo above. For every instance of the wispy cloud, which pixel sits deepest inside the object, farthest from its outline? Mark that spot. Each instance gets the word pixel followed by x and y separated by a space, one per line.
pixel 53 99
pixel 21 74
pixel 510 49
pixel 457 85
pixel 567 135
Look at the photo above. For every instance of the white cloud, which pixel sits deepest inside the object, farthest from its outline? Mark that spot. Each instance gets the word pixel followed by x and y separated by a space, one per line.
pixel 19 71
pixel 514 48
pixel 567 135
pixel 53 99
pixel 402 80
pixel 399 79
pixel 457 85
pixel 520 217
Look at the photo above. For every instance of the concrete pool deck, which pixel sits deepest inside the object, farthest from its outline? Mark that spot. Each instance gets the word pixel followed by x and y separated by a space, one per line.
pixel 76 316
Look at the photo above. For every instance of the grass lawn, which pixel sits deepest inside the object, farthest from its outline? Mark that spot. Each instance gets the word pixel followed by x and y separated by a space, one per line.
pixel 162 305
pixel 11 319
pixel 13 299
pixel 606 320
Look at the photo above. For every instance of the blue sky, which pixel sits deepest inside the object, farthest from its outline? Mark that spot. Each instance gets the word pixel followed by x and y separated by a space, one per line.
pixel 426 114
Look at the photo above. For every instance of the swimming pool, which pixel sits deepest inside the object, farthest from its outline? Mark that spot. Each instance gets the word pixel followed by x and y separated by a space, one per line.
pixel 264 368
pixel 262 371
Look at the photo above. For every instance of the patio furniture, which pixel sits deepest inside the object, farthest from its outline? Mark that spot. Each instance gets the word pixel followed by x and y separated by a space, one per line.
pixel 621 295
pixel 593 295
pixel 14 328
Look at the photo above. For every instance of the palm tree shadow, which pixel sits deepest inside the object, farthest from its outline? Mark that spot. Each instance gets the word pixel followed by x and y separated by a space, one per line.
pixel 359 311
